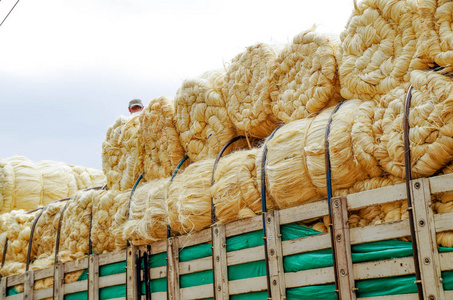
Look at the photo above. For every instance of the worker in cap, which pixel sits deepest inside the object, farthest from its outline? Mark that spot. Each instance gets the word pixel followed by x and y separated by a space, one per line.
pixel 135 105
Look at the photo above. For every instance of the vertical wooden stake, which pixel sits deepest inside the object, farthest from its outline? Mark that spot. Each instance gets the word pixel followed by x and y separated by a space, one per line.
pixel 3 287
pixel 342 248
pixel 93 277
pixel 425 231
pixel 58 282
pixel 220 267
pixel 28 285
pixel 275 254
pixel 131 271
pixel 173 269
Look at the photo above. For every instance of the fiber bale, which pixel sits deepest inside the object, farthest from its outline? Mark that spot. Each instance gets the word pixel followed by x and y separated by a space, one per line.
pixel 122 159
pixel 378 47
pixel 235 191
pixel 244 80
pixel 189 198
pixel 88 177
pixel 201 116
pixel 304 77
pixel 58 181
pixel 430 122
pixel 7 184
pixel 159 139
pixel 148 213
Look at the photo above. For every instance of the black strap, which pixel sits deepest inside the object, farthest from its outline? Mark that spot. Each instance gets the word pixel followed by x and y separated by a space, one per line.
pixel 30 240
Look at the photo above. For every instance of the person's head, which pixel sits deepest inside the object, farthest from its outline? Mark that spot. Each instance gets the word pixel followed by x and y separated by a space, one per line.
pixel 135 105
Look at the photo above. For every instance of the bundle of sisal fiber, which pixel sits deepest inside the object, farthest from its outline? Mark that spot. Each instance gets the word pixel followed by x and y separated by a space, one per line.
pixel 147 221
pixel 295 164
pixel 430 122
pixel 108 206
pixel 304 77
pixel 58 181
pixel 235 190
pixel 201 117
pixel 88 177
pixel 244 80
pixel 189 198
pixel 159 139
pixel 18 232
pixel 122 159
pixel 382 43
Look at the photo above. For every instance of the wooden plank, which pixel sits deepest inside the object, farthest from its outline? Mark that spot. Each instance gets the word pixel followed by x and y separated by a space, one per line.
pixel 159 272
pixel 76 265
pixel 43 273
pixel 249 285
pixel 112 280
pixel 342 249
pixel 395 297
pixel 193 266
pixel 195 238
pixel 377 196
pixel 74 287
pixel 43 293
pixel 3 288
pixel 158 296
pixel 196 292
pixel 58 282
pixel 243 226
pixel 443 222
pixel 158 247
pixel 442 183
pixel 384 268
pixel 112 257
pixel 173 268
pixel 304 212
pixel 426 239
pixel 306 244
pixel 131 274
pixel 310 277
pixel 93 277
pixel 16 297
pixel 28 285
pixel 446 261
pixel 275 255
pixel 15 280
pixel 381 232
pixel 220 266
pixel 245 255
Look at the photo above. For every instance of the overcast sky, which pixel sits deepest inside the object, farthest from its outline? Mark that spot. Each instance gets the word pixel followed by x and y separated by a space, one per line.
pixel 69 68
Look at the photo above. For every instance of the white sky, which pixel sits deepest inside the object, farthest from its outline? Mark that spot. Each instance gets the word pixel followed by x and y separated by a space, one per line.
pixel 69 68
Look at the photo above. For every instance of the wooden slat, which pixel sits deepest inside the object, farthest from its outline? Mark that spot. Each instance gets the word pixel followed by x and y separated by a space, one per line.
pixel 112 280
pixel 173 268
pixel 275 255
pixel 220 267
pixel 43 273
pixel 74 287
pixel 93 277
pixel 381 232
pixel 249 285
pixel 158 296
pixel 158 247
pixel 195 238
pixel 310 277
pixel 245 255
pixel 446 261
pixel 15 280
pixel 443 183
pixel 304 212
pixel 196 292
pixel 384 268
pixel 112 257
pixel 58 284
pixel 342 249
pixel 193 266
pixel 43 293
pixel 76 265
pixel 3 288
pixel 443 222
pixel 378 196
pixel 16 297
pixel 395 297
pixel 158 272
pixel 243 226
pixel 306 244
pixel 426 240
pixel 131 274
pixel 28 285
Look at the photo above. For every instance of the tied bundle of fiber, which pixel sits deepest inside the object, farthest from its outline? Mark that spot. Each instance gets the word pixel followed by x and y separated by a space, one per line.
pixel 295 164
pixel 58 181
pixel 430 122
pixel 201 117
pixel 122 161
pixel 244 80
pixel 147 221
pixel 235 192
pixel 304 77
pixel 18 232
pixel 108 207
pixel 159 139
pixel 88 177
pixel 189 198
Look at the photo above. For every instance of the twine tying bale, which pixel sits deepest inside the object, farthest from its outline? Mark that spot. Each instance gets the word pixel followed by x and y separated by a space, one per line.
pixel 189 198
pixel 148 213
pixel 201 117
pixel 159 139
pixel 304 78
pixel 122 160
pixel 243 84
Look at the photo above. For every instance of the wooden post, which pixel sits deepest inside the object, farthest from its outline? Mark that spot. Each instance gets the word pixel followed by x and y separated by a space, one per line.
pixel 220 266
pixel 93 277
pixel 58 282
pixel 173 269
pixel 131 269
pixel 3 287
pixel 425 231
pixel 342 248
pixel 28 285
pixel 275 254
